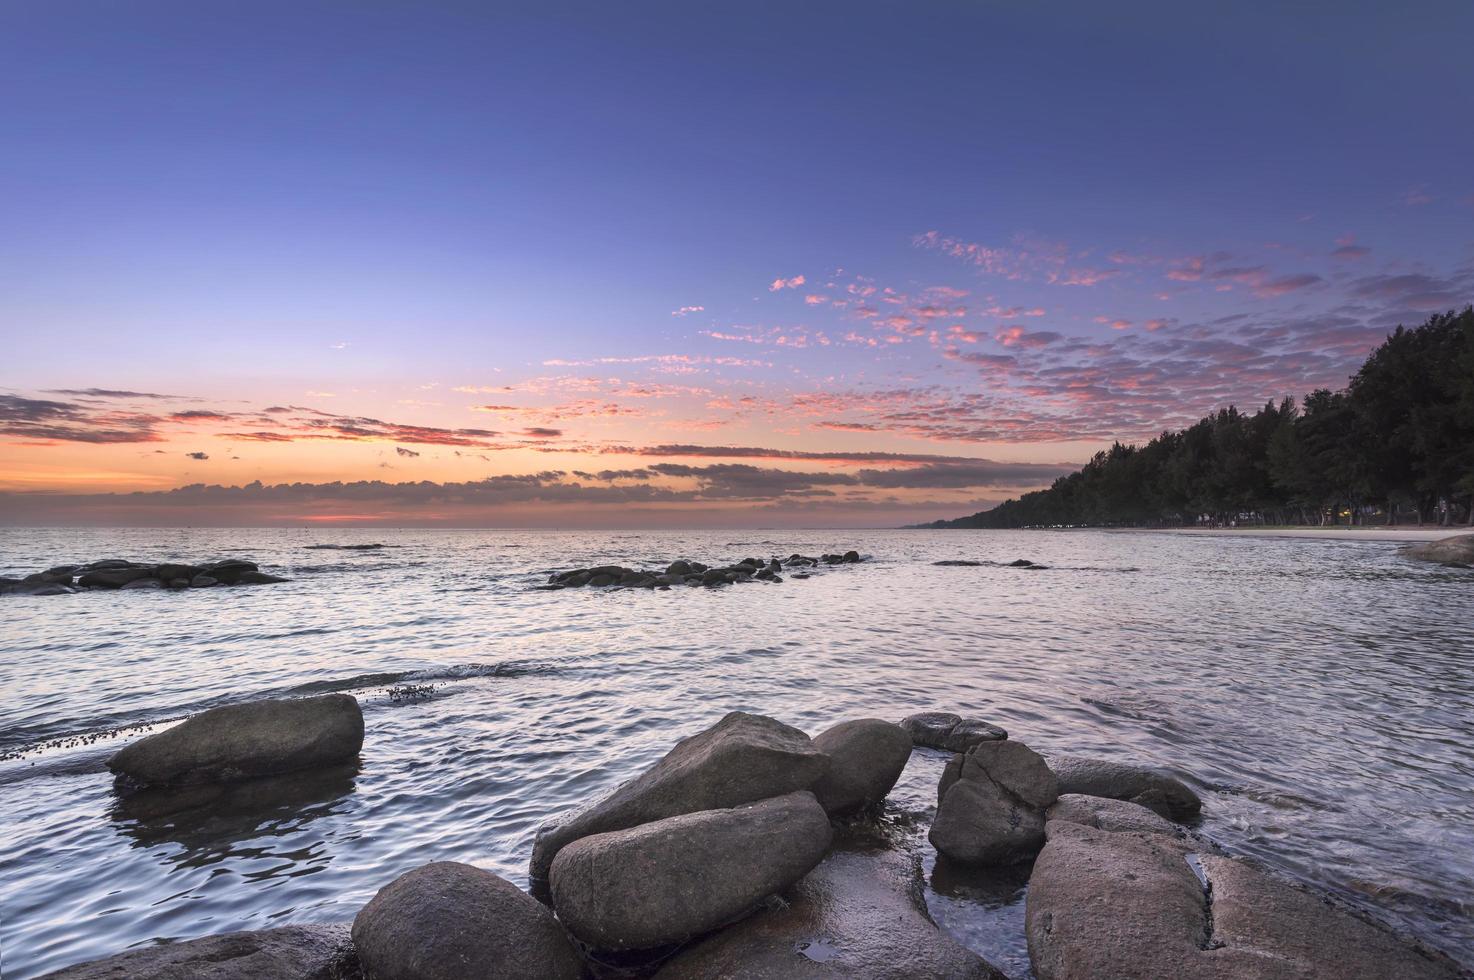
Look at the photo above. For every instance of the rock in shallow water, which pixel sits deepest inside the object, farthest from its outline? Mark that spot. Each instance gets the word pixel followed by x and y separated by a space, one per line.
pixel 1112 815
pixel 992 802
pixel 865 760
pixel 860 915
pixel 310 952
pixel 1458 549
pixel 682 876
pixel 1143 905
pixel 1154 789
pixel 452 921
pixel 740 759
pixel 953 733
pixel 239 741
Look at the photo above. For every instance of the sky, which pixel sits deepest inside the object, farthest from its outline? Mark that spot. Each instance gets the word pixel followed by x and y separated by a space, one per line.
pixel 675 264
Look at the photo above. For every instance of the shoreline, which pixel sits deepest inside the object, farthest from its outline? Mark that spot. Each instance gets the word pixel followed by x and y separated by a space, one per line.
pixel 1341 533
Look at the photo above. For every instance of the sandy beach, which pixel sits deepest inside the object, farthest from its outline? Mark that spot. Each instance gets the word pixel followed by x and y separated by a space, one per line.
pixel 1413 533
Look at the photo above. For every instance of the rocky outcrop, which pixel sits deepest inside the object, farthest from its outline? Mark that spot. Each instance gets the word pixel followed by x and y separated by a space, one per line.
pixel 991 804
pixel 116 574
pixel 665 881
pixel 866 757
pixel 741 759
pixel 860 914
pixel 310 952
pixel 693 573
pixel 450 921
pixel 239 741
pixel 1154 789
pixel 1457 550
pixel 953 733
pixel 1132 904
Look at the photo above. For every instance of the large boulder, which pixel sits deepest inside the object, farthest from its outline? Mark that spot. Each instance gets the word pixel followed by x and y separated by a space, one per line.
pixel 679 877
pixel 310 952
pixel 239 741
pixel 112 578
pixel 1146 905
pixel 952 733
pixel 860 914
pixel 991 804
pixel 1154 789
pixel 1458 549
pixel 740 759
pixel 865 760
pixel 450 921
pixel 1108 814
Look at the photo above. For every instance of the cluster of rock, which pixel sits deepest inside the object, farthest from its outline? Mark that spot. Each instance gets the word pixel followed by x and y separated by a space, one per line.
pixel 693 573
pixel 116 573
pixel 726 859
pixel 972 563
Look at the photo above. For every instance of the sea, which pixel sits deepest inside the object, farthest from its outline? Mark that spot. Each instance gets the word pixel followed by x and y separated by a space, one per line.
pixel 1318 694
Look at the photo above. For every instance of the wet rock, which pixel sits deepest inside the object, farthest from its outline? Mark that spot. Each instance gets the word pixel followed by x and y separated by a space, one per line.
pixel 866 757
pixel 144 583
pixel 740 759
pixel 1154 789
pixel 678 568
pixel 170 570
pixel 665 881
pixel 111 578
pixel 1459 548
pixel 243 740
pixel 600 580
pixel 305 952
pixel 1112 815
pixel 230 570
pixel 991 804
pixel 958 563
pixel 851 556
pixel 944 730
pixel 202 582
pixel 451 921
pixel 249 577
pixel 860 914
pixel 1127 904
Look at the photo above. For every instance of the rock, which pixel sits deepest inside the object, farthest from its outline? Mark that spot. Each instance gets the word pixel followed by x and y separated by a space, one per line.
pixel 202 582
pixel 168 571
pixel 1154 789
pixel 111 578
pixel 306 952
pixel 851 556
pixel 1459 548
pixel 144 583
pixel 1126 904
pixel 860 914
pixel 958 562
pixel 451 921
pixel 865 760
pixel 992 802
pixel 249 577
pixel 230 570
pixel 678 567
pixel 601 580
pixel 243 740
pixel 740 759
pixel 944 730
pixel 682 876
pixel 50 588
pixel 1107 814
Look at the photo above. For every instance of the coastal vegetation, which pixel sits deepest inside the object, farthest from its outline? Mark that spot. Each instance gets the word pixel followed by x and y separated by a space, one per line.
pixel 1395 446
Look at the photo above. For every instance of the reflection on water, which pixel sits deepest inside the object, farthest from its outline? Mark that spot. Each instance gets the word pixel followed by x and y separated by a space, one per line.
pixel 1317 694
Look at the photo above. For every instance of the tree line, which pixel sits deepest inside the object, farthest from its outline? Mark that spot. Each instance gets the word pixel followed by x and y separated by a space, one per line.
pixel 1395 446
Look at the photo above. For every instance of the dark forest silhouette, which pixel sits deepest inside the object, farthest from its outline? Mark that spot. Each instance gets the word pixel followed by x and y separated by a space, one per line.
pixel 1396 445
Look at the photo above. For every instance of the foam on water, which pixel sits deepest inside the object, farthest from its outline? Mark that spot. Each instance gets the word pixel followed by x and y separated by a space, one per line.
pixel 1317 693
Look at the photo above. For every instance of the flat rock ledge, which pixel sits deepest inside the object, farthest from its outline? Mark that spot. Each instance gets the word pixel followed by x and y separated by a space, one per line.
pixel 694 573
pixel 310 952
pixel 242 741
pixel 115 574
pixel 1142 905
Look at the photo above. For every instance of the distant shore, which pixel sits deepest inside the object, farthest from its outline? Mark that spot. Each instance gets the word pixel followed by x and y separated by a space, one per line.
pixel 1333 533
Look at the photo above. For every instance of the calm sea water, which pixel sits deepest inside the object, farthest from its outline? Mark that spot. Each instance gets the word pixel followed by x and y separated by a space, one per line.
pixel 1318 694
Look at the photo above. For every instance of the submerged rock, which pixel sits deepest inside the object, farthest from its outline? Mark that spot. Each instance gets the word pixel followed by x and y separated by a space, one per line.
pixel 865 760
pixel 450 921
pixel 307 952
pixel 860 914
pixel 1457 550
pixel 740 759
pixel 1155 789
pixel 239 741
pixel 1131 904
pixel 944 730
pixel 682 876
pixel 991 804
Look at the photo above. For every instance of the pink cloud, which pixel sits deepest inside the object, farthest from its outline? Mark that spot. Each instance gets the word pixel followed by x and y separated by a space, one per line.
pixel 781 283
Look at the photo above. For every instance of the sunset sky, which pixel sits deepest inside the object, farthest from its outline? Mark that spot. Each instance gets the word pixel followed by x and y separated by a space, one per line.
pixel 691 264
